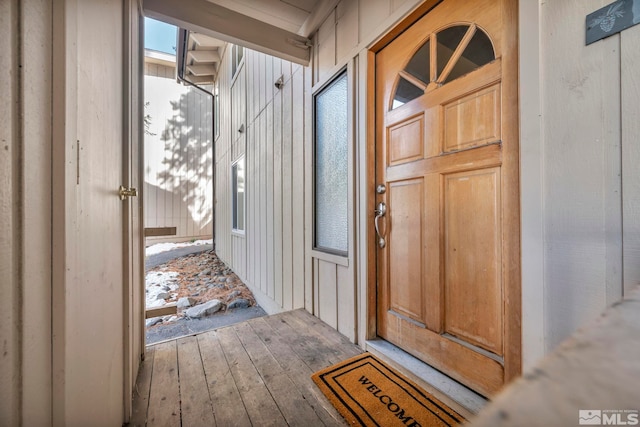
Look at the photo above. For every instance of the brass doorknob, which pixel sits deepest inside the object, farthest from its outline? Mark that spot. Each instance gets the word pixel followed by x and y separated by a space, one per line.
pixel 125 192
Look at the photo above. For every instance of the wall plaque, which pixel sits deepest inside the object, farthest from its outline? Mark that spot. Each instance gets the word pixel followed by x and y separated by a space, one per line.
pixel 612 19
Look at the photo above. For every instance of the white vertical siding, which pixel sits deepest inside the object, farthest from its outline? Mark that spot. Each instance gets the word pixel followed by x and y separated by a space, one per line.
pixel 630 84
pixel 580 187
pixel 582 170
pixel 269 256
pixel 178 188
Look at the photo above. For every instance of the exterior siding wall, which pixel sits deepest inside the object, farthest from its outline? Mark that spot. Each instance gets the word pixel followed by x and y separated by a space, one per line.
pixel 178 187
pixel 589 181
pixel 269 255
pixel 630 146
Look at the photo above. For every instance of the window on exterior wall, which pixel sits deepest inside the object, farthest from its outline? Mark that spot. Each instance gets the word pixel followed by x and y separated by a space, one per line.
pixel 237 190
pixel 237 53
pixel 331 168
pixel 216 112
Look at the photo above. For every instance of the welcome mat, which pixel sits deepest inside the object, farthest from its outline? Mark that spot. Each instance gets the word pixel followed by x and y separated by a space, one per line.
pixel 367 392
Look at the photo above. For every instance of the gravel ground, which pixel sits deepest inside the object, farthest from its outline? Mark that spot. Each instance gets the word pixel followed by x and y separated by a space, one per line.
pixel 202 277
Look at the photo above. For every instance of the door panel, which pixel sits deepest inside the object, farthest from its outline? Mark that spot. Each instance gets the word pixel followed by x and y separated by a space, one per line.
pixel 473 120
pixel 441 150
pixel 406 141
pixel 405 244
pixel 473 296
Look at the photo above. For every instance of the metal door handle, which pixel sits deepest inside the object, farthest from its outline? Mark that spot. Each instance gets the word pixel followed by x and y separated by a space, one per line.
pixel 380 212
pixel 125 192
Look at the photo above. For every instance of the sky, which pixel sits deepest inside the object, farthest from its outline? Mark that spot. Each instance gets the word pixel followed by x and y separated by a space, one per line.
pixel 159 36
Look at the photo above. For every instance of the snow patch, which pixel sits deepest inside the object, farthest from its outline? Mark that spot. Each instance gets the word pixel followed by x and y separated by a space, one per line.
pixel 157 283
pixel 163 247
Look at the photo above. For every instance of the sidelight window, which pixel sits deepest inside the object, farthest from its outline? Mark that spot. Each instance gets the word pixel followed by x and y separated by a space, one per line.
pixel 331 168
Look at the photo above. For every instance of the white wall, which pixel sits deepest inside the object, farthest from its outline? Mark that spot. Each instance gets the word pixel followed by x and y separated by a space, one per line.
pixel 178 154
pixel 25 213
pixel 580 187
pixel 586 132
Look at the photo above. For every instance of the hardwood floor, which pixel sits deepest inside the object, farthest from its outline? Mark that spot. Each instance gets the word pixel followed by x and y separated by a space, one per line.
pixel 255 373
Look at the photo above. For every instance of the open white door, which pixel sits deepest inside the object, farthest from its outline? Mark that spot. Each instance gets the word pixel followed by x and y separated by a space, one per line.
pixel 96 292
pixel 132 208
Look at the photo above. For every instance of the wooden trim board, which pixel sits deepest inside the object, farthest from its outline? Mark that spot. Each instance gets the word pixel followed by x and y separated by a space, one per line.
pixel 160 231
pixel 165 310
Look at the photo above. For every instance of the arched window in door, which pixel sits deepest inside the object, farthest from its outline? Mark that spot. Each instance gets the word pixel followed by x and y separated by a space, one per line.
pixel 444 57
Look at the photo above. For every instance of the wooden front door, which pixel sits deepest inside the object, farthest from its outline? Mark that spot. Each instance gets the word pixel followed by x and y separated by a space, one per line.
pixel 447 192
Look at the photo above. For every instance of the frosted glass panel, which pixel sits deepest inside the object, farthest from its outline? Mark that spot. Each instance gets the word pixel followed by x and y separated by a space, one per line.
pixel 237 193
pixel 331 167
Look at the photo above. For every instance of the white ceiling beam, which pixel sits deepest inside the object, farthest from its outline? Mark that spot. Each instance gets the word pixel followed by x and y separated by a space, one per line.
pixel 317 16
pixel 306 5
pixel 274 12
pixel 203 40
pixel 219 22
pixel 204 55
pixel 202 70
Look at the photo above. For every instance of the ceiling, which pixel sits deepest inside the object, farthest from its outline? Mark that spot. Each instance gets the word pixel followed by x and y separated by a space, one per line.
pixel 280 28
pixel 289 15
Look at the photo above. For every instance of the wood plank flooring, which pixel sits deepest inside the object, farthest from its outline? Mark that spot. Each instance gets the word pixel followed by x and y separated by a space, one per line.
pixel 255 373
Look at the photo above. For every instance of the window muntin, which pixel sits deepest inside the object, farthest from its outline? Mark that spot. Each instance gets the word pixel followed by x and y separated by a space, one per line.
pixel 478 52
pixel 331 168
pixel 447 42
pixel 238 195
